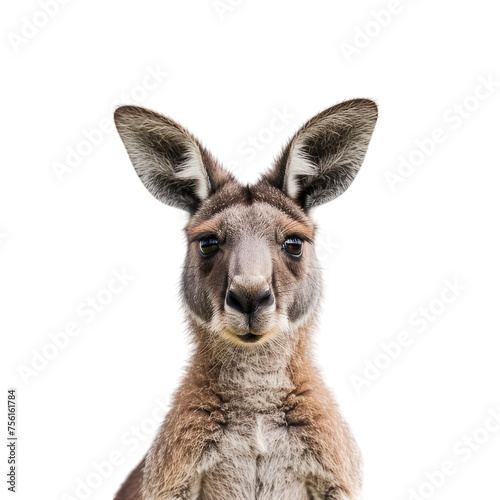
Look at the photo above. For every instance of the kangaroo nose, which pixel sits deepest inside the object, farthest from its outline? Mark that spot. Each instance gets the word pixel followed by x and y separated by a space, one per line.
pixel 249 303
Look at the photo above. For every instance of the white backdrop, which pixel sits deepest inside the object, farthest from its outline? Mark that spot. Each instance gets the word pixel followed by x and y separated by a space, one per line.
pixel 409 333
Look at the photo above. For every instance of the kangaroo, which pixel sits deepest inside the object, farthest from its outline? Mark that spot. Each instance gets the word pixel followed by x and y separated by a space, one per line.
pixel 252 418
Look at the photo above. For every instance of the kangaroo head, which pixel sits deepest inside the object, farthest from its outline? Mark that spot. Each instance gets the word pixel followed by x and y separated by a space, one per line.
pixel 250 273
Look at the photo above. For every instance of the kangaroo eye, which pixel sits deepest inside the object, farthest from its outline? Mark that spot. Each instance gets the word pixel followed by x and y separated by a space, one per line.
pixel 293 246
pixel 209 246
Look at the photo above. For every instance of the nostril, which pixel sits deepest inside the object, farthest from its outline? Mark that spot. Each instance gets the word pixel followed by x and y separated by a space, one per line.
pixel 262 299
pixel 249 304
pixel 235 301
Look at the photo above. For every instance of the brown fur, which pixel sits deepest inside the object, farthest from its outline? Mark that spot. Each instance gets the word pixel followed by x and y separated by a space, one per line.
pixel 252 418
pixel 198 418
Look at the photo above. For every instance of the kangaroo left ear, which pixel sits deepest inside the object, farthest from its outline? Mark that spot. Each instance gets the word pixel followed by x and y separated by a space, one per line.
pixel 322 159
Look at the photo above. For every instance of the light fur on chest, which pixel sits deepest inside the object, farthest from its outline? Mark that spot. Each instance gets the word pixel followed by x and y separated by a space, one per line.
pixel 257 455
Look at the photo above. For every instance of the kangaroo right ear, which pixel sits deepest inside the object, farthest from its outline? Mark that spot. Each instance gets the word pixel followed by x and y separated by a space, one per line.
pixel 324 156
pixel 169 160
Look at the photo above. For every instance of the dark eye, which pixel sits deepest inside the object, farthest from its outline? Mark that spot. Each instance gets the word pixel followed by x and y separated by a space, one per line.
pixel 293 246
pixel 209 245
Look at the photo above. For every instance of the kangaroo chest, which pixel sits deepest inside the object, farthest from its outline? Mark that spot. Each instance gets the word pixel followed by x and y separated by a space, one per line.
pixel 257 456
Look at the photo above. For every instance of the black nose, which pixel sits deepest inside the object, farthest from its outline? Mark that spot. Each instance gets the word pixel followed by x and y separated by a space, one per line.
pixel 248 304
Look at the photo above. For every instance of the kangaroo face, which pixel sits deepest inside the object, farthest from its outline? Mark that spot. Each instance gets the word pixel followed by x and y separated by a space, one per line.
pixel 250 273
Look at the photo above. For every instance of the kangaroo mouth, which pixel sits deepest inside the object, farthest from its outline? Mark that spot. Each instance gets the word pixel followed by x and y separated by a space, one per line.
pixel 249 337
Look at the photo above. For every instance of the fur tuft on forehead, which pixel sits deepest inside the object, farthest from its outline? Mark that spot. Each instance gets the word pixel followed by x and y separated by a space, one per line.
pixel 233 194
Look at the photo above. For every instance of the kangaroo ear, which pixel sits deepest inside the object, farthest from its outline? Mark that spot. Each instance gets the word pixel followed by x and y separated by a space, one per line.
pixel 170 162
pixel 324 156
